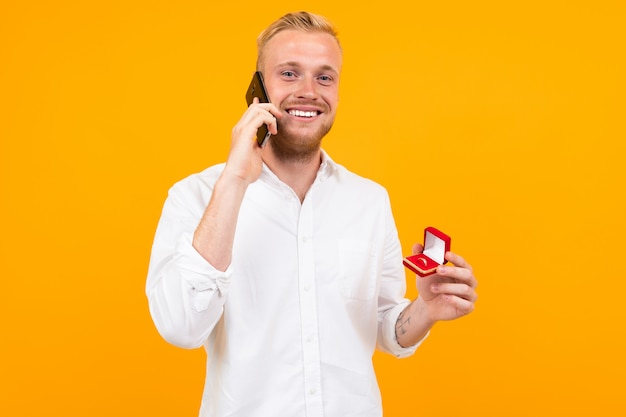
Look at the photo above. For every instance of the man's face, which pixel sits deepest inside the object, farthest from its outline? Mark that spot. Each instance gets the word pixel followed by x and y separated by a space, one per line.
pixel 301 72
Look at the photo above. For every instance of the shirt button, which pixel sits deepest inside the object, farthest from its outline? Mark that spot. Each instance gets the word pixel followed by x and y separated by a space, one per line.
pixel 307 288
pixel 312 391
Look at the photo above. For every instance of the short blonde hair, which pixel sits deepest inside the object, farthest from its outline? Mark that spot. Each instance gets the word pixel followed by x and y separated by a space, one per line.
pixel 303 21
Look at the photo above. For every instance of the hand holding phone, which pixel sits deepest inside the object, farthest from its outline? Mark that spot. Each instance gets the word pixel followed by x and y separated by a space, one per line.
pixel 257 89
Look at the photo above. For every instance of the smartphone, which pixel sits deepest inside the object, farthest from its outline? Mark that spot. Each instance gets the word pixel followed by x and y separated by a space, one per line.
pixel 257 89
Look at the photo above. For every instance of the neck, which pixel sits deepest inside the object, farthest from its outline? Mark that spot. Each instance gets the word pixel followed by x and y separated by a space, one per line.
pixel 298 174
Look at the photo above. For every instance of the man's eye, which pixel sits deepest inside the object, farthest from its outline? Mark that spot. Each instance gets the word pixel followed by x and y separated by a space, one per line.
pixel 325 79
pixel 289 74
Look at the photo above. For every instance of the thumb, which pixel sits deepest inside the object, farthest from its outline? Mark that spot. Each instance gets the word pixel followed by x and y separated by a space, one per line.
pixel 417 248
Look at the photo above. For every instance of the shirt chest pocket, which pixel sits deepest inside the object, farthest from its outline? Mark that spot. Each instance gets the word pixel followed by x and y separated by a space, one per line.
pixel 358 269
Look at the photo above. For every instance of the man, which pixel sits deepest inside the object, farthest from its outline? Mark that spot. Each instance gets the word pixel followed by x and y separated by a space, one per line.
pixel 285 266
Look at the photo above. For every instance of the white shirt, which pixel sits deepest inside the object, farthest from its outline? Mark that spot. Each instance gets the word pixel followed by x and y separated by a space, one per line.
pixel 291 326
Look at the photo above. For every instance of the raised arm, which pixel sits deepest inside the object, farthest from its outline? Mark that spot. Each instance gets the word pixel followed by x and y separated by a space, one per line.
pixel 189 270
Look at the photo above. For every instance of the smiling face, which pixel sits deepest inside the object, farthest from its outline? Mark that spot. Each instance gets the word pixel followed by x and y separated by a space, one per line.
pixel 301 72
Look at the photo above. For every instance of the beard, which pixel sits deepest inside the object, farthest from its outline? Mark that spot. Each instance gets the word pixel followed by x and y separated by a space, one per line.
pixel 291 146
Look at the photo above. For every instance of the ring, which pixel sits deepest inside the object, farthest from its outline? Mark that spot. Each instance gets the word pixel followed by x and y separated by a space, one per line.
pixel 422 260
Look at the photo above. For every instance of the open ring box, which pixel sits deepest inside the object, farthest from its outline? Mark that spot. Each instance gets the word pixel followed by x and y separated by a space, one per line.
pixel 436 244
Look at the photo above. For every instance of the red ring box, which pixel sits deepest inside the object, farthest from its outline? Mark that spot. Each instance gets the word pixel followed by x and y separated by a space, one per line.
pixel 436 244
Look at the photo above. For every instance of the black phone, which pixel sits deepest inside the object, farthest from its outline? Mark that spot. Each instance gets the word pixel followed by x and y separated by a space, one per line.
pixel 257 89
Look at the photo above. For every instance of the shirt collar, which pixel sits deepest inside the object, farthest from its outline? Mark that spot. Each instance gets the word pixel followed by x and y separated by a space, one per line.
pixel 327 168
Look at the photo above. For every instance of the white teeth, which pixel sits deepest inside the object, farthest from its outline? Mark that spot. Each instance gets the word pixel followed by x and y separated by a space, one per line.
pixel 300 113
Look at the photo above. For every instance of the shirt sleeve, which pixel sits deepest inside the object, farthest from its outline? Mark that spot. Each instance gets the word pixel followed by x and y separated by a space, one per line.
pixel 391 300
pixel 186 294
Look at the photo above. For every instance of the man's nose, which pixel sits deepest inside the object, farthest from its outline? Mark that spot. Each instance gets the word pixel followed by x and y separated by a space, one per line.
pixel 307 88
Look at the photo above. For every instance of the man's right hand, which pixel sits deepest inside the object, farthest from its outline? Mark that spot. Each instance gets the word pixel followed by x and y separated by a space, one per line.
pixel 245 157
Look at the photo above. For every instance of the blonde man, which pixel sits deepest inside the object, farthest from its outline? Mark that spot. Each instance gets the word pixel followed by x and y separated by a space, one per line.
pixel 284 265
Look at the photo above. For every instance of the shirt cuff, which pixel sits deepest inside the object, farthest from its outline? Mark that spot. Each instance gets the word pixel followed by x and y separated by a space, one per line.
pixel 204 280
pixel 389 329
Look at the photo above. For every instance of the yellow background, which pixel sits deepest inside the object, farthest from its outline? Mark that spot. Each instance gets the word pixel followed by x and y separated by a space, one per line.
pixel 499 122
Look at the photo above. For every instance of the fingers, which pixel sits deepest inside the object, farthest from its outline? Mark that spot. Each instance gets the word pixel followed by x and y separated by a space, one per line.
pixel 457 260
pixel 453 290
pixel 461 281
pixel 418 248
pixel 245 131
pixel 259 114
pixel 268 107
pixel 461 270
pixel 462 306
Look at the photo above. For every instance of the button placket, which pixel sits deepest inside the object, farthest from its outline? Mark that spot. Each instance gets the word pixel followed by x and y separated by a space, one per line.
pixel 308 311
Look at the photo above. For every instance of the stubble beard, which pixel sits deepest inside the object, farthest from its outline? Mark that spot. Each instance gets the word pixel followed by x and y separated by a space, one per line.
pixel 288 146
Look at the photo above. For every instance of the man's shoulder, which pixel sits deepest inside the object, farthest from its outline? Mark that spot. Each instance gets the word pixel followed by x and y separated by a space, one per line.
pixel 199 181
pixel 352 179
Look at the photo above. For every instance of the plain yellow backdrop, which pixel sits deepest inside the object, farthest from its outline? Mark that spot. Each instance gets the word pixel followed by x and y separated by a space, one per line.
pixel 502 123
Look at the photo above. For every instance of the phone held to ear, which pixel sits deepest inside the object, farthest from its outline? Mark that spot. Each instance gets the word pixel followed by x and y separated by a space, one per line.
pixel 257 89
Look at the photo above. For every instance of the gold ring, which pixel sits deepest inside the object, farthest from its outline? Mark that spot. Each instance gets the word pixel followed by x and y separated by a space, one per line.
pixel 422 260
